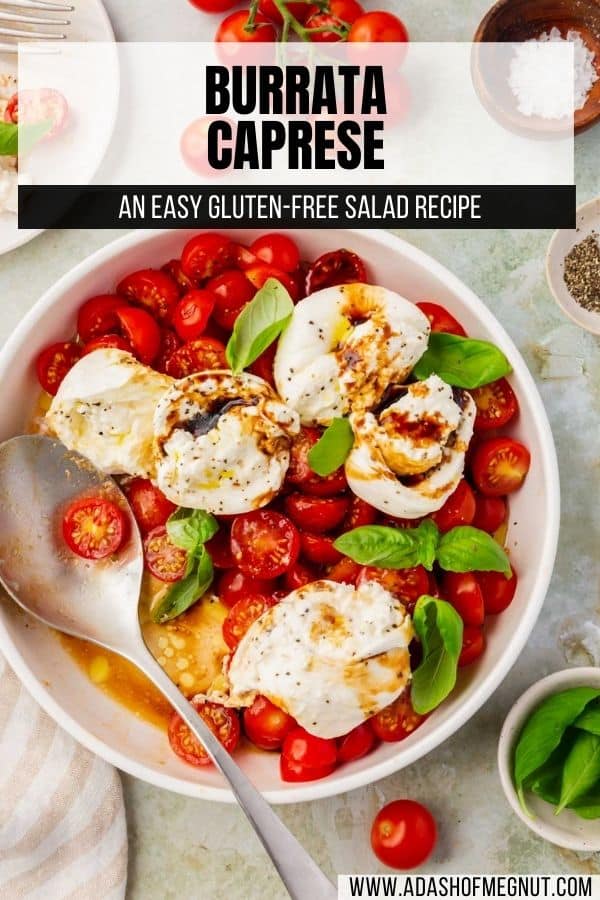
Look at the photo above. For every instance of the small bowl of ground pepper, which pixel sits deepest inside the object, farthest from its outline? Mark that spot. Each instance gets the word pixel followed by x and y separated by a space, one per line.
pixel 573 268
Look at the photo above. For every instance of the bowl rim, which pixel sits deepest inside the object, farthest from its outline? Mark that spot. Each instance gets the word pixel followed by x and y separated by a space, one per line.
pixel 486 686
pixel 515 719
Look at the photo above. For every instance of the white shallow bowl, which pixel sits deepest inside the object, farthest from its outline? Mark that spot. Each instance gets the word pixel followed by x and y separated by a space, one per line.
pixel 566 829
pixel 138 747
pixel 562 242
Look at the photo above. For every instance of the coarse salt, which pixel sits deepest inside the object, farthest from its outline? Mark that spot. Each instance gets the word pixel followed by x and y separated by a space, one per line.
pixel 547 92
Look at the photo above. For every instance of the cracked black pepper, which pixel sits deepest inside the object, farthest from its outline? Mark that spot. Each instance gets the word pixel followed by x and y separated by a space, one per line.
pixel 582 272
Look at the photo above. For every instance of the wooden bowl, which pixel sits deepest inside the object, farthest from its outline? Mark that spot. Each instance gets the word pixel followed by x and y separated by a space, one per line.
pixel 520 20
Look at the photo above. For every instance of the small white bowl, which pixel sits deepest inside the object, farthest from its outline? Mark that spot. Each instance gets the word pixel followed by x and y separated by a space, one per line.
pixel 562 242
pixel 567 829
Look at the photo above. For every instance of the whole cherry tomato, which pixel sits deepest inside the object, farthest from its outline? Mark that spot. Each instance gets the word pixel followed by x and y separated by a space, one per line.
pixel 375 27
pixel 459 508
pixel 403 834
pixel 339 15
pixel 54 362
pixel 150 506
pixel 356 744
pixel 319 549
pixel 219 548
pixel 265 543
pixel 234 585
pixel 316 513
pixel 336 267
pixel 266 725
pixel 305 757
pixel 300 473
pixel 473 645
pixel 235 29
pixel 190 316
pixel 359 514
pixel 396 721
pixel 300 11
pixel 499 466
pixel 94 527
pixel 496 405
pixel 299 575
pixel 277 250
pixel 440 319
pixel 153 290
pixel 490 512
pixel 498 591
pixel 263 365
pixel 462 590
pixel 222 721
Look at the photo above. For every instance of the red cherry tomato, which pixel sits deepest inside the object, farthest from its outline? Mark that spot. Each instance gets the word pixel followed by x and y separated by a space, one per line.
pixel 39 105
pixel 11 113
pixel 300 473
pixel 496 405
pixel 462 590
pixel 219 548
pixel 234 585
pixel 242 615
pixel 191 315
pixel 277 250
pixel 498 591
pixel 163 559
pixel 153 290
pixel 499 466
pixel 307 750
pixel 150 506
pixel 403 834
pixel 201 355
pixel 206 255
pixel 259 274
pixel 396 721
pixel 233 29
pixel 336 267
pixel 490 513
pixel 300 11
pixel 173 269
pixel 473 645
pixel 142 332
pixel 266 725
pixel 231 291
pixel 294 771
pixel 375 27
pixel 346 571
pixel 214 6
pixel 459 508
pixel 107 342
pixel 222 721
pixel 193 146
pixel 405 584
pixel 263 365
pixel 264 543
pixel 299 575
pixel 169 343
pixel 94 527
pixel 316 513
pixel 356 744
pixel 98 316
pixel 54 362
pixel 319 549
pixel 359 514
pixel 440 319
pixel 340 13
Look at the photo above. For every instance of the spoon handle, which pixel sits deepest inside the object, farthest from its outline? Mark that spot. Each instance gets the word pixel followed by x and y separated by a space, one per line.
pixel 300 874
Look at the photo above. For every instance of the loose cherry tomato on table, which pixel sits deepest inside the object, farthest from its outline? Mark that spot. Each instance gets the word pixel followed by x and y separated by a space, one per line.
pixel 277 250
pixel 316 513
pixel 300 473
pixel 152 289
pixel 462 590
pixel 319 549
pixel 490 513
pixel 499 466
pixel 107 342
pixel 98 316
pixel 150 506
pixel 94 527
pixel 378 27
pixel 359 514
pixel 496 405
pixel 346 571
pixel 440 319
pixel 473 645
pixel 190 316
pixel 265 543
pixel 234 585
pixel 141 331
pixel 498 591
pixel 266 725
pixel 54 362
pixel 336 267
pixel 340 13
pixel 231 291
pixel 356 744
pixel 163 559
pixel 396 721
pixel 305 757
pixel 233 29
pixel 242 615
pixel 201 355
pixel 405 584
pixel 403 834
pixel 299 575
pixel 222 721
pixel 206 255
pixel 459 508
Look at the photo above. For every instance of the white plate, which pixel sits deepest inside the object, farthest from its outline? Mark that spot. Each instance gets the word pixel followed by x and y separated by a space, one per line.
pixel 89 22
pixel 563 241
pixel 141 749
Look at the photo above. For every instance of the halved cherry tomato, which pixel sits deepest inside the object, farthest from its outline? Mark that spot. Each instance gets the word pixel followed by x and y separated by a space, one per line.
pixel 462 590
pixel 336 267
pixel 359 514
pixel 406 584
pixel 396 721
pixel 356 744
pixel 107 342
pixel 173 269
pixel 200 355
pixel 473 645
pixel 498 591
pixel 277 250
pixel 206 255
pixel 300 473
pixel 219 548
pixel 339 14
pixel 234 585
pixel 316 513
pixel 142 332
pixel 150 506
pixel 39 105
pixel 232 291
pixel 153 290
pixel 496 405
pixel 266 725
pixel 94 527
pixel 440 319
pixel 263 365
pixel 299 575
pixel 459 508
pixel 309 751
pixel 164 560
pixel 54 362
pixel 403 834
pixel 265 543
pixel 222 721
pixel 259 274
pixel 490 513
pixel 190 316
pixel 169 343
pixel 319 549
pixel 242 615
pixel 499 466
pixel 346 571
pixel 98 316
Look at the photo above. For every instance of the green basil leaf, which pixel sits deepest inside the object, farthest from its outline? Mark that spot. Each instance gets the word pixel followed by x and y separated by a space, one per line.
pixel 15 139
pixel 461 362
pixel 191 528
pixel 467 549
pixel 582 769
pixel 332 448
pixel 589 720
pixel 547 780
pixel 588 805
pixel 186 592
pixel 440 630
pixel 544 730
pixel 390 548
pixel 259 324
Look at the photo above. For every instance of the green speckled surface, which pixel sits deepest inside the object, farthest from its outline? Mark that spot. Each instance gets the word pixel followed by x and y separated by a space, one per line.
pixel 185 848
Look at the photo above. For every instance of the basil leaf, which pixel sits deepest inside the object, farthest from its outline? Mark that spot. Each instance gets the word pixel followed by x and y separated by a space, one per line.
pixel 544 730
pixel 461 362
pixel 390 548
pixel 184 593
pixel 259 324
pixel 582 769
pixel 191 528
pixel 15 139
pixel 588 805
pixel 440 630
pixel 467 549
pixel 589 720
pixel 547 780
pixel 9 141
pixel 332 448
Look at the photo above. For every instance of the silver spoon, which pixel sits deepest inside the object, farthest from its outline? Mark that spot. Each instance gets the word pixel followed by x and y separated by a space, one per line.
pixel 98 601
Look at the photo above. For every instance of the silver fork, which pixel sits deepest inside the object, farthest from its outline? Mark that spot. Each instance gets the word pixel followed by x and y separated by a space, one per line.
pixel 23 26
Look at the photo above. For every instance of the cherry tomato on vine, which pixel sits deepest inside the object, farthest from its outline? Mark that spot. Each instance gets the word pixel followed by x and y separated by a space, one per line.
pixel 265 543
pixel 94 527
pixel 300 11
pixel 440 319
pixel 403 834
pixel 377 27
pixel 496 405
pixel 234 29
pixel 499 466
pixel 222 721
pixel 54 362
pixel 340 13
pixel 151 289
pixel 336 267
pixel 266 725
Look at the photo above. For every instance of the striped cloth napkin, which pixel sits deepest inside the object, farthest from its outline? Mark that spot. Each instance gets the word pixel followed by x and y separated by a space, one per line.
pixel 62 819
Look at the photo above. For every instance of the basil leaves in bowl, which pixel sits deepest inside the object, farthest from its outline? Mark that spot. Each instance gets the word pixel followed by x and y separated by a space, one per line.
pixel 549 758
